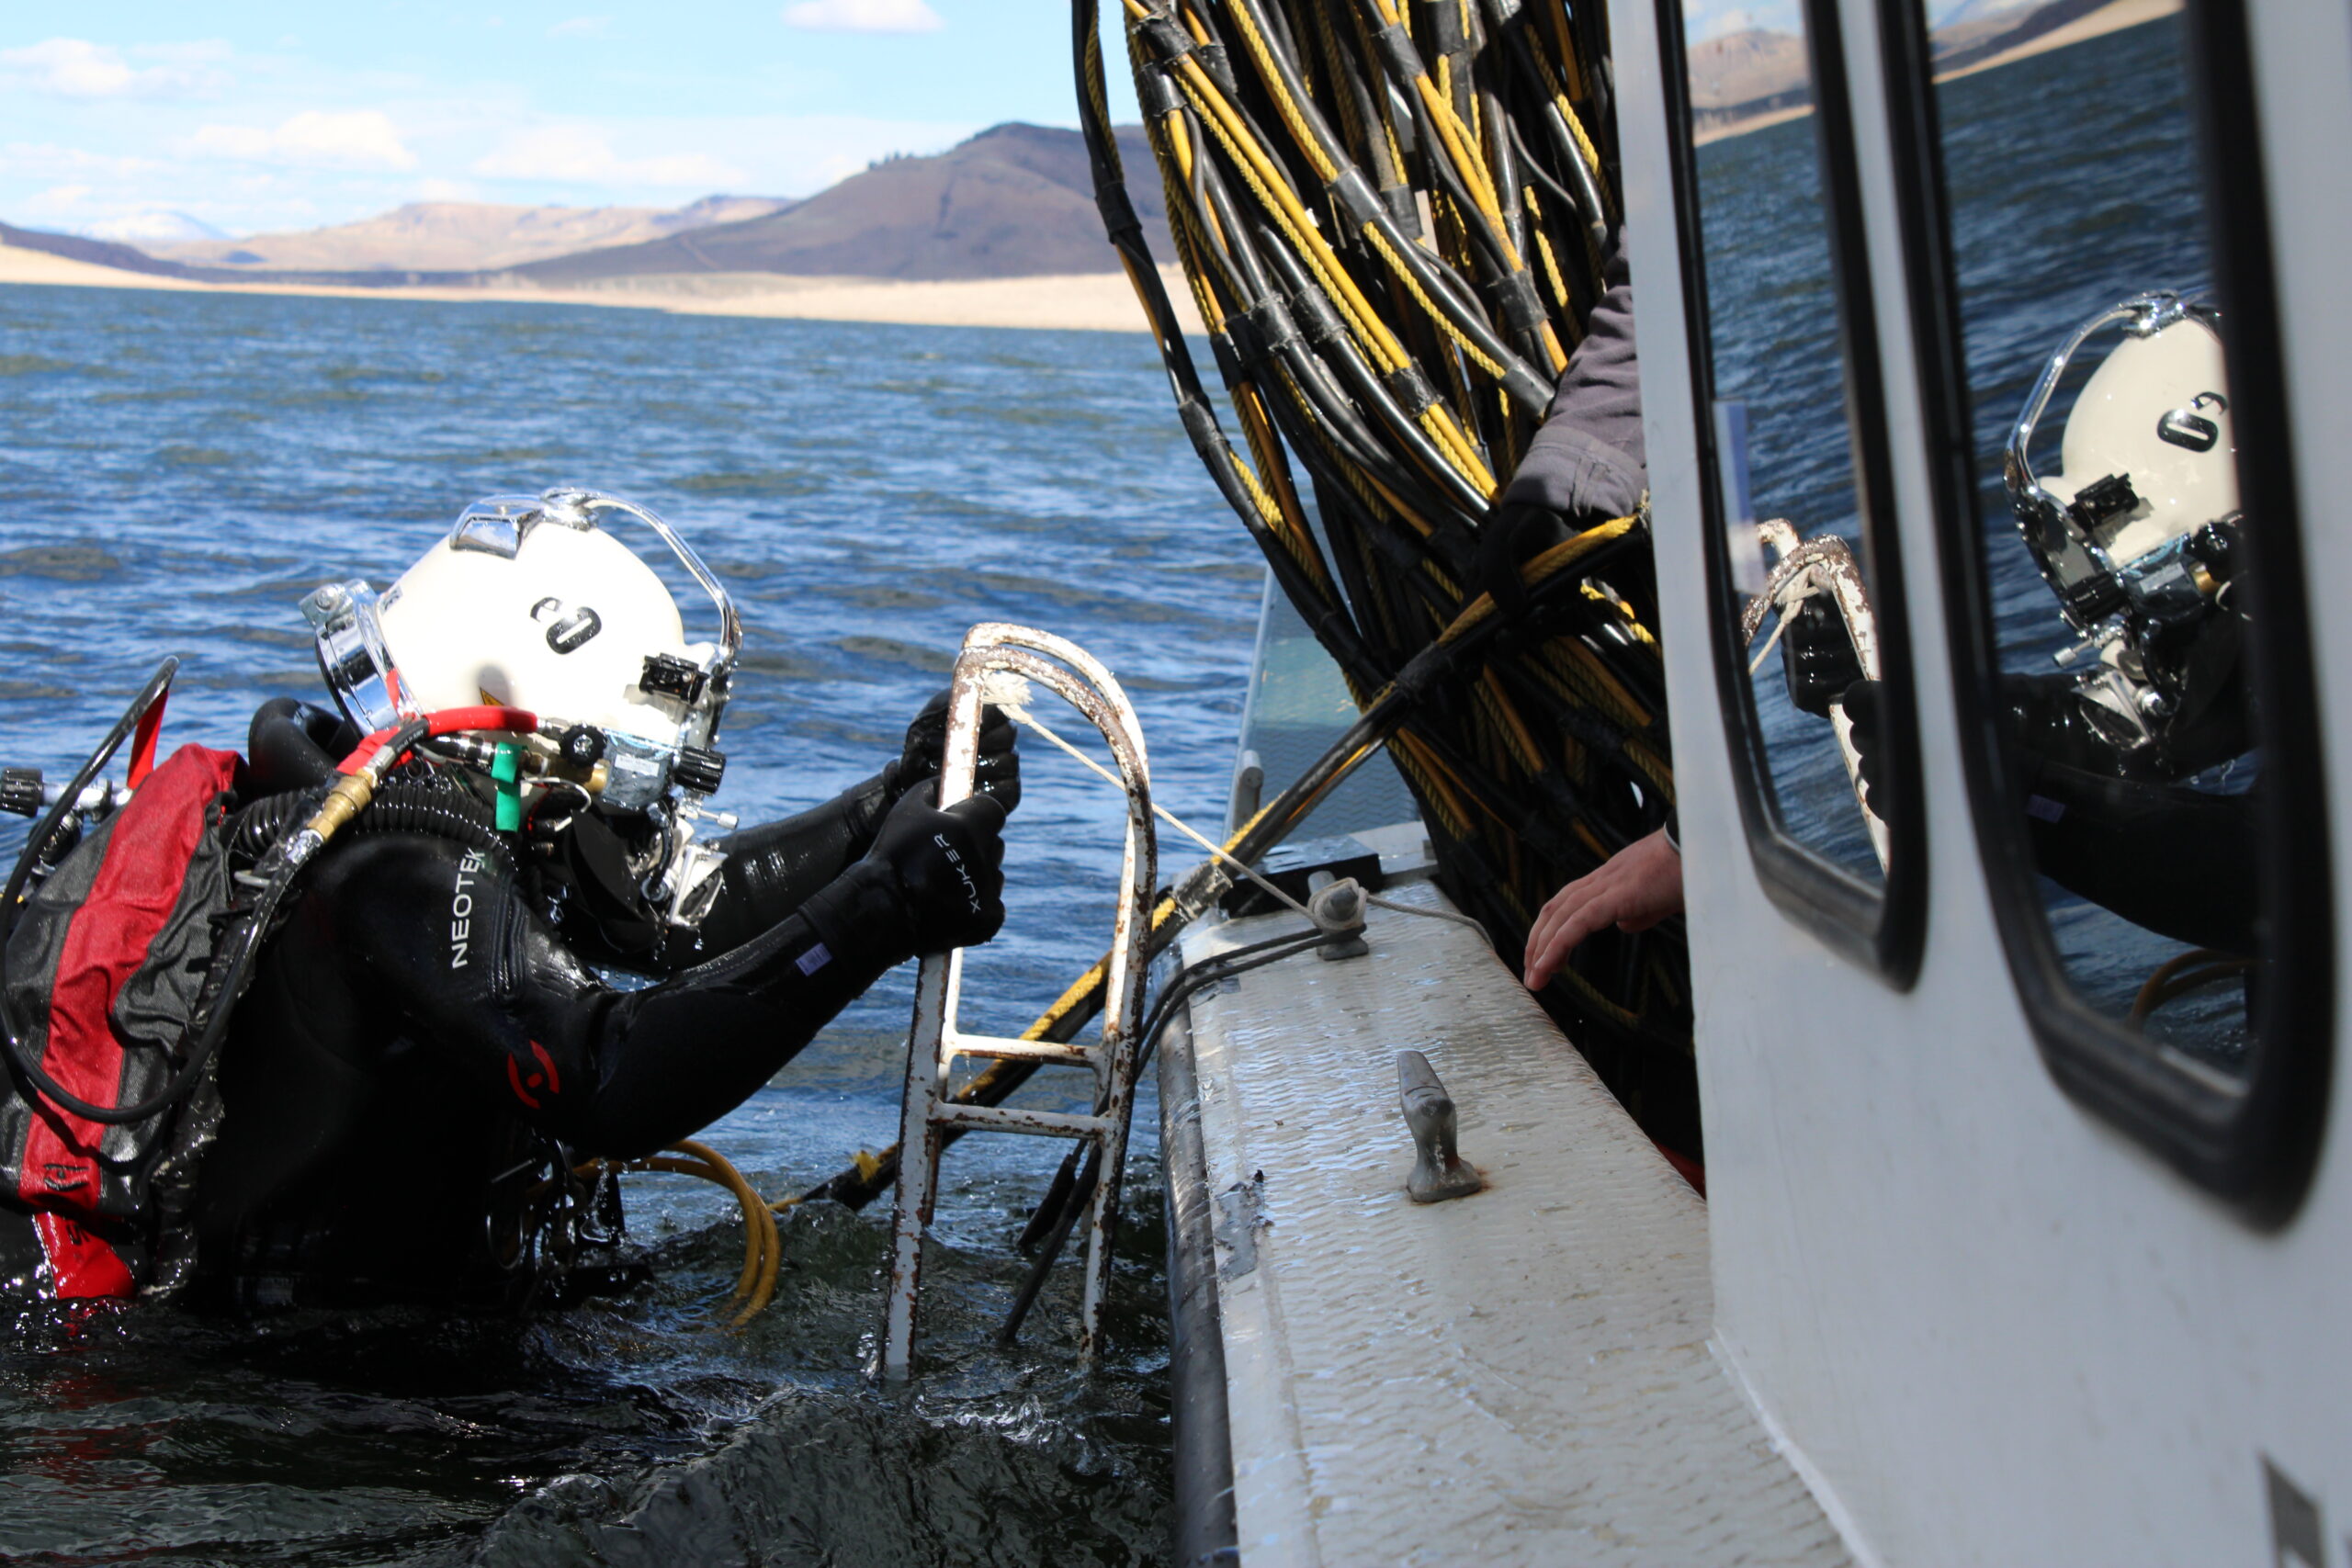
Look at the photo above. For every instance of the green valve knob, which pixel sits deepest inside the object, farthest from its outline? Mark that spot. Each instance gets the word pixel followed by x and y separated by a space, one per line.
pixel 506 772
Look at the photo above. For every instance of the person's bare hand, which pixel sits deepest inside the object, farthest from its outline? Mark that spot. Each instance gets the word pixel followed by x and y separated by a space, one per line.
pixel 1633 890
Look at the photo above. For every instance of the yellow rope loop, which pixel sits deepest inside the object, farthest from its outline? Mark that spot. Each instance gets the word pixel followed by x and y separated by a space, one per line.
pixel 1514 728
pixel 1266 181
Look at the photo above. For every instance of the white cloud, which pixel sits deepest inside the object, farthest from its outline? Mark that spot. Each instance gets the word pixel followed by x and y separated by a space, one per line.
pixel 447 190
pixel 58 200
pixel 354 138
pixel 863 16
pixel 579 155
pixel 47 160
pixel 77 68
pixel 580 26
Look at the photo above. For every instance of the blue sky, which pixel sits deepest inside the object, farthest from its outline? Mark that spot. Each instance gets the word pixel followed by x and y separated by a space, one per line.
pixel 259 116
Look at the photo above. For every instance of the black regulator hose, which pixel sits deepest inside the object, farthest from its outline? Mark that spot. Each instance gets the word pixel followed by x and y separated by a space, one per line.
pixel 430 805
pixel 12 899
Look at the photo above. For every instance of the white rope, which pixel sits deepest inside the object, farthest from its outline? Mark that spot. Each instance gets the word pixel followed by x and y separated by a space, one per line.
pixel 1788 599
pixel 1020 713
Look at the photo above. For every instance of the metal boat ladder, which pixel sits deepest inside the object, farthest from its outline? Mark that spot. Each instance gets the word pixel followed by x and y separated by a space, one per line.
pixel 935 1041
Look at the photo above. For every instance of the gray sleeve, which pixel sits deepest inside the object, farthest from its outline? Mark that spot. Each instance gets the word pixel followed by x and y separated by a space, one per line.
pixel 1588 460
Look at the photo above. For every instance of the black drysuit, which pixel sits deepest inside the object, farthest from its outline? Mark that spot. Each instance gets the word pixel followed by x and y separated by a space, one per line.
pixel 420 1039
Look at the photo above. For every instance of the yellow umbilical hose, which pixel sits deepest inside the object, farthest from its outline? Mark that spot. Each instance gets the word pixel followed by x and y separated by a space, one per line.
pixel 763 1249
pixel 2182 973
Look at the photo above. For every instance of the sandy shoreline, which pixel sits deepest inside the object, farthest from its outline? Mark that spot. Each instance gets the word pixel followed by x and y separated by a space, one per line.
pixel 2109 19
pixel 1087 302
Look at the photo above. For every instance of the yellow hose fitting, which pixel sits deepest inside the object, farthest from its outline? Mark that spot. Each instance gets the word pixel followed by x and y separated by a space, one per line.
pixel 346 800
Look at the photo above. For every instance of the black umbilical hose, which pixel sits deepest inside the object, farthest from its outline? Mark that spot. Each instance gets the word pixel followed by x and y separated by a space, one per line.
pixel 1068 1198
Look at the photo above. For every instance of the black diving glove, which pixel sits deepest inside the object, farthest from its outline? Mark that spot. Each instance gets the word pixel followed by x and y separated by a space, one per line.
pixel 932 880
pixel 1817 655
pixel 1870 745
pixel 997 774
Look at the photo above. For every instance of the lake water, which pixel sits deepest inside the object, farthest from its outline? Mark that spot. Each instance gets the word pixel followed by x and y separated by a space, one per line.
pixel 176 470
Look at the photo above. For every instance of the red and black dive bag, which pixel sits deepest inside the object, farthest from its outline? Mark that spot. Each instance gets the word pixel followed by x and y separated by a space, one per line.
pixel 104 970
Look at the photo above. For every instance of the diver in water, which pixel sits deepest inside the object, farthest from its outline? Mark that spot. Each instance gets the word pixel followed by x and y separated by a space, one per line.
pixel 2138 538
pixel 411 1094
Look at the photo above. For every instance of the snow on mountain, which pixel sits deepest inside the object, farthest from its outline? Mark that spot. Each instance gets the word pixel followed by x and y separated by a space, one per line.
pixel 151 226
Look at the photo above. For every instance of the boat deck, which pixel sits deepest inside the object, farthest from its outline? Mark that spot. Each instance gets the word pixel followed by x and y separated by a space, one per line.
pixel 1518 1377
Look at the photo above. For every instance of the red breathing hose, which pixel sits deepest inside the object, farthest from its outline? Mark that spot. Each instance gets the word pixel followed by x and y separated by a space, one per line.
pixel 447 721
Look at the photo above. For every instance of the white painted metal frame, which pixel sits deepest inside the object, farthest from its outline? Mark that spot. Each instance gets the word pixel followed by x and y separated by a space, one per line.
pixel 934 1041
pixel 1987 1327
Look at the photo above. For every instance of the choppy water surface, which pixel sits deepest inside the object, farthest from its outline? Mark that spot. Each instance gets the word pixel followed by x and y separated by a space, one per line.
pixel 176 470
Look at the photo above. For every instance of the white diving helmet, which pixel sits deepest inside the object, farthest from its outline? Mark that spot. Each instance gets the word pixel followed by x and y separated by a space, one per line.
pixel 2141 520
pixel 2138 534
pixel 529 604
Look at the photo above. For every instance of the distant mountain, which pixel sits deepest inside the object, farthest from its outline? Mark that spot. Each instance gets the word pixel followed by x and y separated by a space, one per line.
pixel 97 253
pixel 1015 201
pixel 461 236
pixel 1968 40
pixel 1749 71
pixel 1742 75
pixel 152 227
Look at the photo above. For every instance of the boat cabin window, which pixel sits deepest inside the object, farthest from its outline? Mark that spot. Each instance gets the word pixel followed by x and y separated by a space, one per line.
pixel 1817 697
pixel 2121 540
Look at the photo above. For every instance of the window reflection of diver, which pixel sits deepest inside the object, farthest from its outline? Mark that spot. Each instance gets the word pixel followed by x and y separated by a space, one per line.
pixel 410 1094
pixel 2139 537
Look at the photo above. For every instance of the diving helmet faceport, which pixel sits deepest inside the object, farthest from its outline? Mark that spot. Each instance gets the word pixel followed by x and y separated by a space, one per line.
pixel 529 603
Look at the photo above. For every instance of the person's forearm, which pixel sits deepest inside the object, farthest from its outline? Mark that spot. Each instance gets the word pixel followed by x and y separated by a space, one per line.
pixel 774 868
pixel 671 1060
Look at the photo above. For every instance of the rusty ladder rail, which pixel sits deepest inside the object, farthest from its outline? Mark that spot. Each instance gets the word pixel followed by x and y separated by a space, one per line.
pixel 935 1041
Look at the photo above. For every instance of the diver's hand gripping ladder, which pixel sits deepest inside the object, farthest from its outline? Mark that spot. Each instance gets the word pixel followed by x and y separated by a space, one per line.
pixel 936 1042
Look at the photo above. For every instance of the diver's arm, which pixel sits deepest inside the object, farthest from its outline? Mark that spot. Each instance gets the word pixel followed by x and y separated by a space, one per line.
pixel 440 944
pixel 771 868
pixel 2179 862
pixel 774 868
pixel 2046 717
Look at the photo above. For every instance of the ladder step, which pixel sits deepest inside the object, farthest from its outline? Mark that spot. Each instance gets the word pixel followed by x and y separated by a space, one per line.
pixel 1005 1118
pixel 1026 1049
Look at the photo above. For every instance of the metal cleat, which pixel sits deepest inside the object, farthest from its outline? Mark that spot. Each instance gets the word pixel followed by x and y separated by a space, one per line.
pixel 1439 1172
